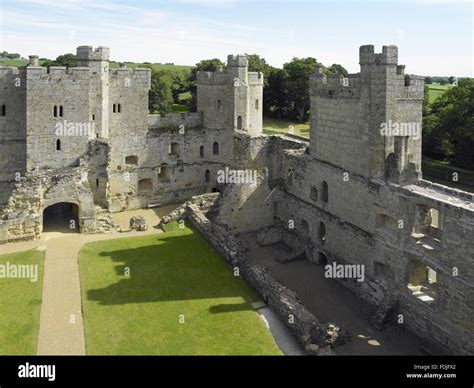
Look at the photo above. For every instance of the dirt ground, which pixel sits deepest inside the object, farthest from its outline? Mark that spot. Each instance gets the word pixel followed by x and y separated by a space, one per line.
pixel 331 302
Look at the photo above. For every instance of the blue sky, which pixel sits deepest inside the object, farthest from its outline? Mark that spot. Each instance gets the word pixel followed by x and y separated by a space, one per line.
pixel 434 37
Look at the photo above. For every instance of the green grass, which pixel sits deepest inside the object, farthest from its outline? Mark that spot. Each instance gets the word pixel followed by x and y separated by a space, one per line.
pixel 171 274
pixel 113 65
pixel 436 90
pixel 179 108
pixel 155 66
pixel 442 172
pixel 20 305
pixel 14 62
pixel 185 96
pixel 273 126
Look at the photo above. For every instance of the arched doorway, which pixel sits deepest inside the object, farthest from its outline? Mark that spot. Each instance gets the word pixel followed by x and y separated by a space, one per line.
pixel 61 217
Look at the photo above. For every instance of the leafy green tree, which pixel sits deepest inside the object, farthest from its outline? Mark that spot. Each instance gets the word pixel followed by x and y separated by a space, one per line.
pixel 338 69
pixel 204 65
pixel 68 60
pixel 297 84
pixel 275 97
pixel 452 80
pixel 448 127
pixel 428 80
pixel 258 64
pixel 160 94
pixel 13 56
pixel 179 84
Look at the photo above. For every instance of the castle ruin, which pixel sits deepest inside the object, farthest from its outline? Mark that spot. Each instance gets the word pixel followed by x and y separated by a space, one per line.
pixel 81 140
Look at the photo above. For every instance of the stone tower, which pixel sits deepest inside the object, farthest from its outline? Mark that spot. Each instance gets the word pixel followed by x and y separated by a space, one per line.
pixel 369 123
pixel 98 62
pixel 231 98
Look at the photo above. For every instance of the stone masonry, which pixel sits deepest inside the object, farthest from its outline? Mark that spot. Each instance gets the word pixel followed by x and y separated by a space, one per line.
pixel 353 194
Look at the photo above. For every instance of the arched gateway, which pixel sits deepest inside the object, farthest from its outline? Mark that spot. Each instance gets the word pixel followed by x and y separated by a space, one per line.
pixel 61 217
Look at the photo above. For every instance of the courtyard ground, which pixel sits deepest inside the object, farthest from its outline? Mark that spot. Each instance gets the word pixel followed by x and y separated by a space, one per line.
pixel 179 297
pixel 20 304
pixel 61 324
pixel 330 302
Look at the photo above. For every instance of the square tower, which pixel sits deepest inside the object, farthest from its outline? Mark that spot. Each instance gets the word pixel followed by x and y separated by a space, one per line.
pixel 231 98
pixel 369 123
pixel 97 60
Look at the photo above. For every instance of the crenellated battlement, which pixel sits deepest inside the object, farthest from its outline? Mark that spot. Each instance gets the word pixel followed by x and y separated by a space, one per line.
pixel 10 70
pixel 238 60
pixel 388 56
pixel 405 86
pixel 58 72
pixel 334 85
pixel 219 77
pixel 88 53
pixel 255 78
pixel 140 77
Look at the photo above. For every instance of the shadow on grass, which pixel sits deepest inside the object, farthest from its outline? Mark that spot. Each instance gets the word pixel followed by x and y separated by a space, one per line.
pixel 229 308
pixel 174 268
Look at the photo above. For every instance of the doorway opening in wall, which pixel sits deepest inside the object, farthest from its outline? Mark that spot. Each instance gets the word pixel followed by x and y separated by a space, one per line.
pixel 61 217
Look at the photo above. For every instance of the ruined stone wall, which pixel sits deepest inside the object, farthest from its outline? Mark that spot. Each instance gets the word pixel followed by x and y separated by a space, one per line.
pixel 361 226
pixel 166 148
pixel 22 217
pixel 449 318
pixel 188 120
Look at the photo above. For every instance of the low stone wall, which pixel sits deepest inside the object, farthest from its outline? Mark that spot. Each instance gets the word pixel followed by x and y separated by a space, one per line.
pixel 170 120
pixel 315 337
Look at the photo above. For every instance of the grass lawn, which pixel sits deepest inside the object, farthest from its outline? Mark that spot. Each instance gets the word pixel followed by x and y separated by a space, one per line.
pixel 179 108
pixel 181 298
pixel 273 126
pixel 113 65
pixel 20 305
pixel 436 90
pixel 442 172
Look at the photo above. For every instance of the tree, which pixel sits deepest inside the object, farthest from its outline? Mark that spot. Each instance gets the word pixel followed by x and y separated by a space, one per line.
pixel 452 80
pixel 179 84
pixel 338 69
pixel 68 60
pixel 258 64
pixel 297 84
pixel 13 56
pixel 428 80
pixel 448 127
pixel 275 98
pixel 204 65
pixel 160 94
